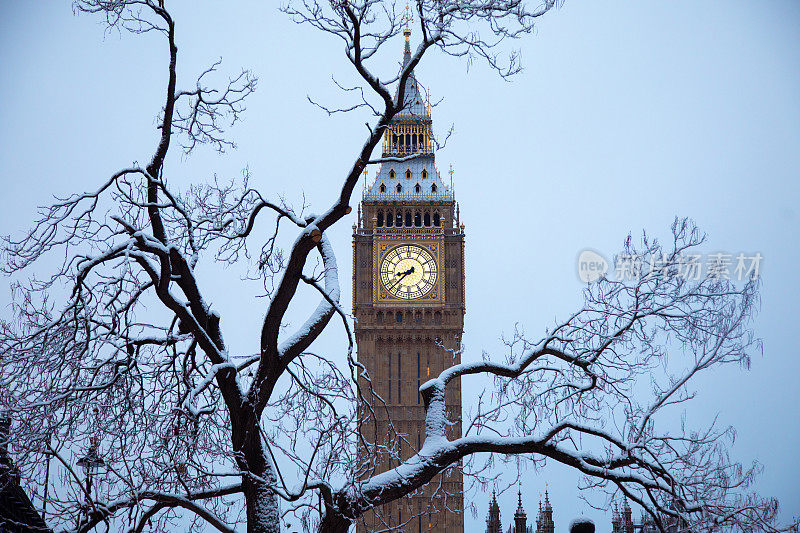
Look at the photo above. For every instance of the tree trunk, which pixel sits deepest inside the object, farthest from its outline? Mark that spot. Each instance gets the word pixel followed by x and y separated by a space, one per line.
pixel 263 507
pixel 333 523
pixel 259 478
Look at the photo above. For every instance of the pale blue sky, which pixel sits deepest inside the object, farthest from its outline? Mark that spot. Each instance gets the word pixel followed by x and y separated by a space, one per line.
pixel 627 114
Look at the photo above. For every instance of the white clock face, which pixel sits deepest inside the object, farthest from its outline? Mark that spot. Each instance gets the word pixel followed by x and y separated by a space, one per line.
pixel 408 272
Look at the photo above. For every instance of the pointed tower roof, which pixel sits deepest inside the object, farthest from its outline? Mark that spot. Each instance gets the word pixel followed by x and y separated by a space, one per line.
pixel 546 523
pixel 493 503
pixel 414 101
pixel 520 518
pixel 411 175
pixel 493 520
pixel 520 511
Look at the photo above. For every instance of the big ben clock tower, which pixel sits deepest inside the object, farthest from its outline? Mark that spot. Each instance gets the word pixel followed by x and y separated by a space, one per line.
pixel 408 302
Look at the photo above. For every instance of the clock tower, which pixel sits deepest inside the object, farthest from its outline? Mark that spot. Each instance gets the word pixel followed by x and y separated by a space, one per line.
pixel 408 303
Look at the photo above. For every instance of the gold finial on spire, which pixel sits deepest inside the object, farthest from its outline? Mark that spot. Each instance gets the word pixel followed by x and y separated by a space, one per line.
pixel 409 17
pixel 451 172
pixel 365 182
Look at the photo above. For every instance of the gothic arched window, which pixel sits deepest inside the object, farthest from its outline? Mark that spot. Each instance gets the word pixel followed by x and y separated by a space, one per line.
pixel 389 219
pixel 391 173
pixel 399 188
pixel 408 218
pixel 417 188
pixel 408 174
pixel 417 219
pixel 436 219
pixel 399 221
pixel 424 173
pixel 433 188
pixel 380 219
pixel 383 187
pixel 427 218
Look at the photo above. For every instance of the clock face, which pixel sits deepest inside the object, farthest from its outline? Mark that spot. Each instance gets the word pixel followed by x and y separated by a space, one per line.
pixel 408 272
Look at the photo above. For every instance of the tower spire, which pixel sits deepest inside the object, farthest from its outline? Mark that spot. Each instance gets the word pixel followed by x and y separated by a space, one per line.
pixel 407 33
pixel 493 519
pixel 520 518
pixel 545 523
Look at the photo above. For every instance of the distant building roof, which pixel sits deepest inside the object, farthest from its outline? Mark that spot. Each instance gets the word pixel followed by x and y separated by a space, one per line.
pixel 17 512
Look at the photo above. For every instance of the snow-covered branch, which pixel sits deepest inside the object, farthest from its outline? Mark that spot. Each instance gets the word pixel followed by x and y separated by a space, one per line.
pixel 120 350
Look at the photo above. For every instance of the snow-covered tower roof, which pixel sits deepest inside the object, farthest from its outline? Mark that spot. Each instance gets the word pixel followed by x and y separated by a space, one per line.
pixel 415 96
pixel 409 172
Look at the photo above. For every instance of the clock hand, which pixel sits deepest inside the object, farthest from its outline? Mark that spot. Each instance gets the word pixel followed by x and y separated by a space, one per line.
pixel 397 281
pixel 402 275
pixel 407 272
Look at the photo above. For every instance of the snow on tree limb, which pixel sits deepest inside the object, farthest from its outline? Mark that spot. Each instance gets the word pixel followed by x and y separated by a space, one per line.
pixel 134 353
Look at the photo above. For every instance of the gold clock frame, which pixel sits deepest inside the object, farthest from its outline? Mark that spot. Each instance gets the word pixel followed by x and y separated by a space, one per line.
pixel 434 297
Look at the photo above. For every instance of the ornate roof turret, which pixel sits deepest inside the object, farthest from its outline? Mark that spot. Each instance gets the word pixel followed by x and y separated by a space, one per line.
pixel 520 510
pixel 616 520
pixel 493 519
pixel 545 523
pixel 627 520
pixel 520 518
pixel 410 173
